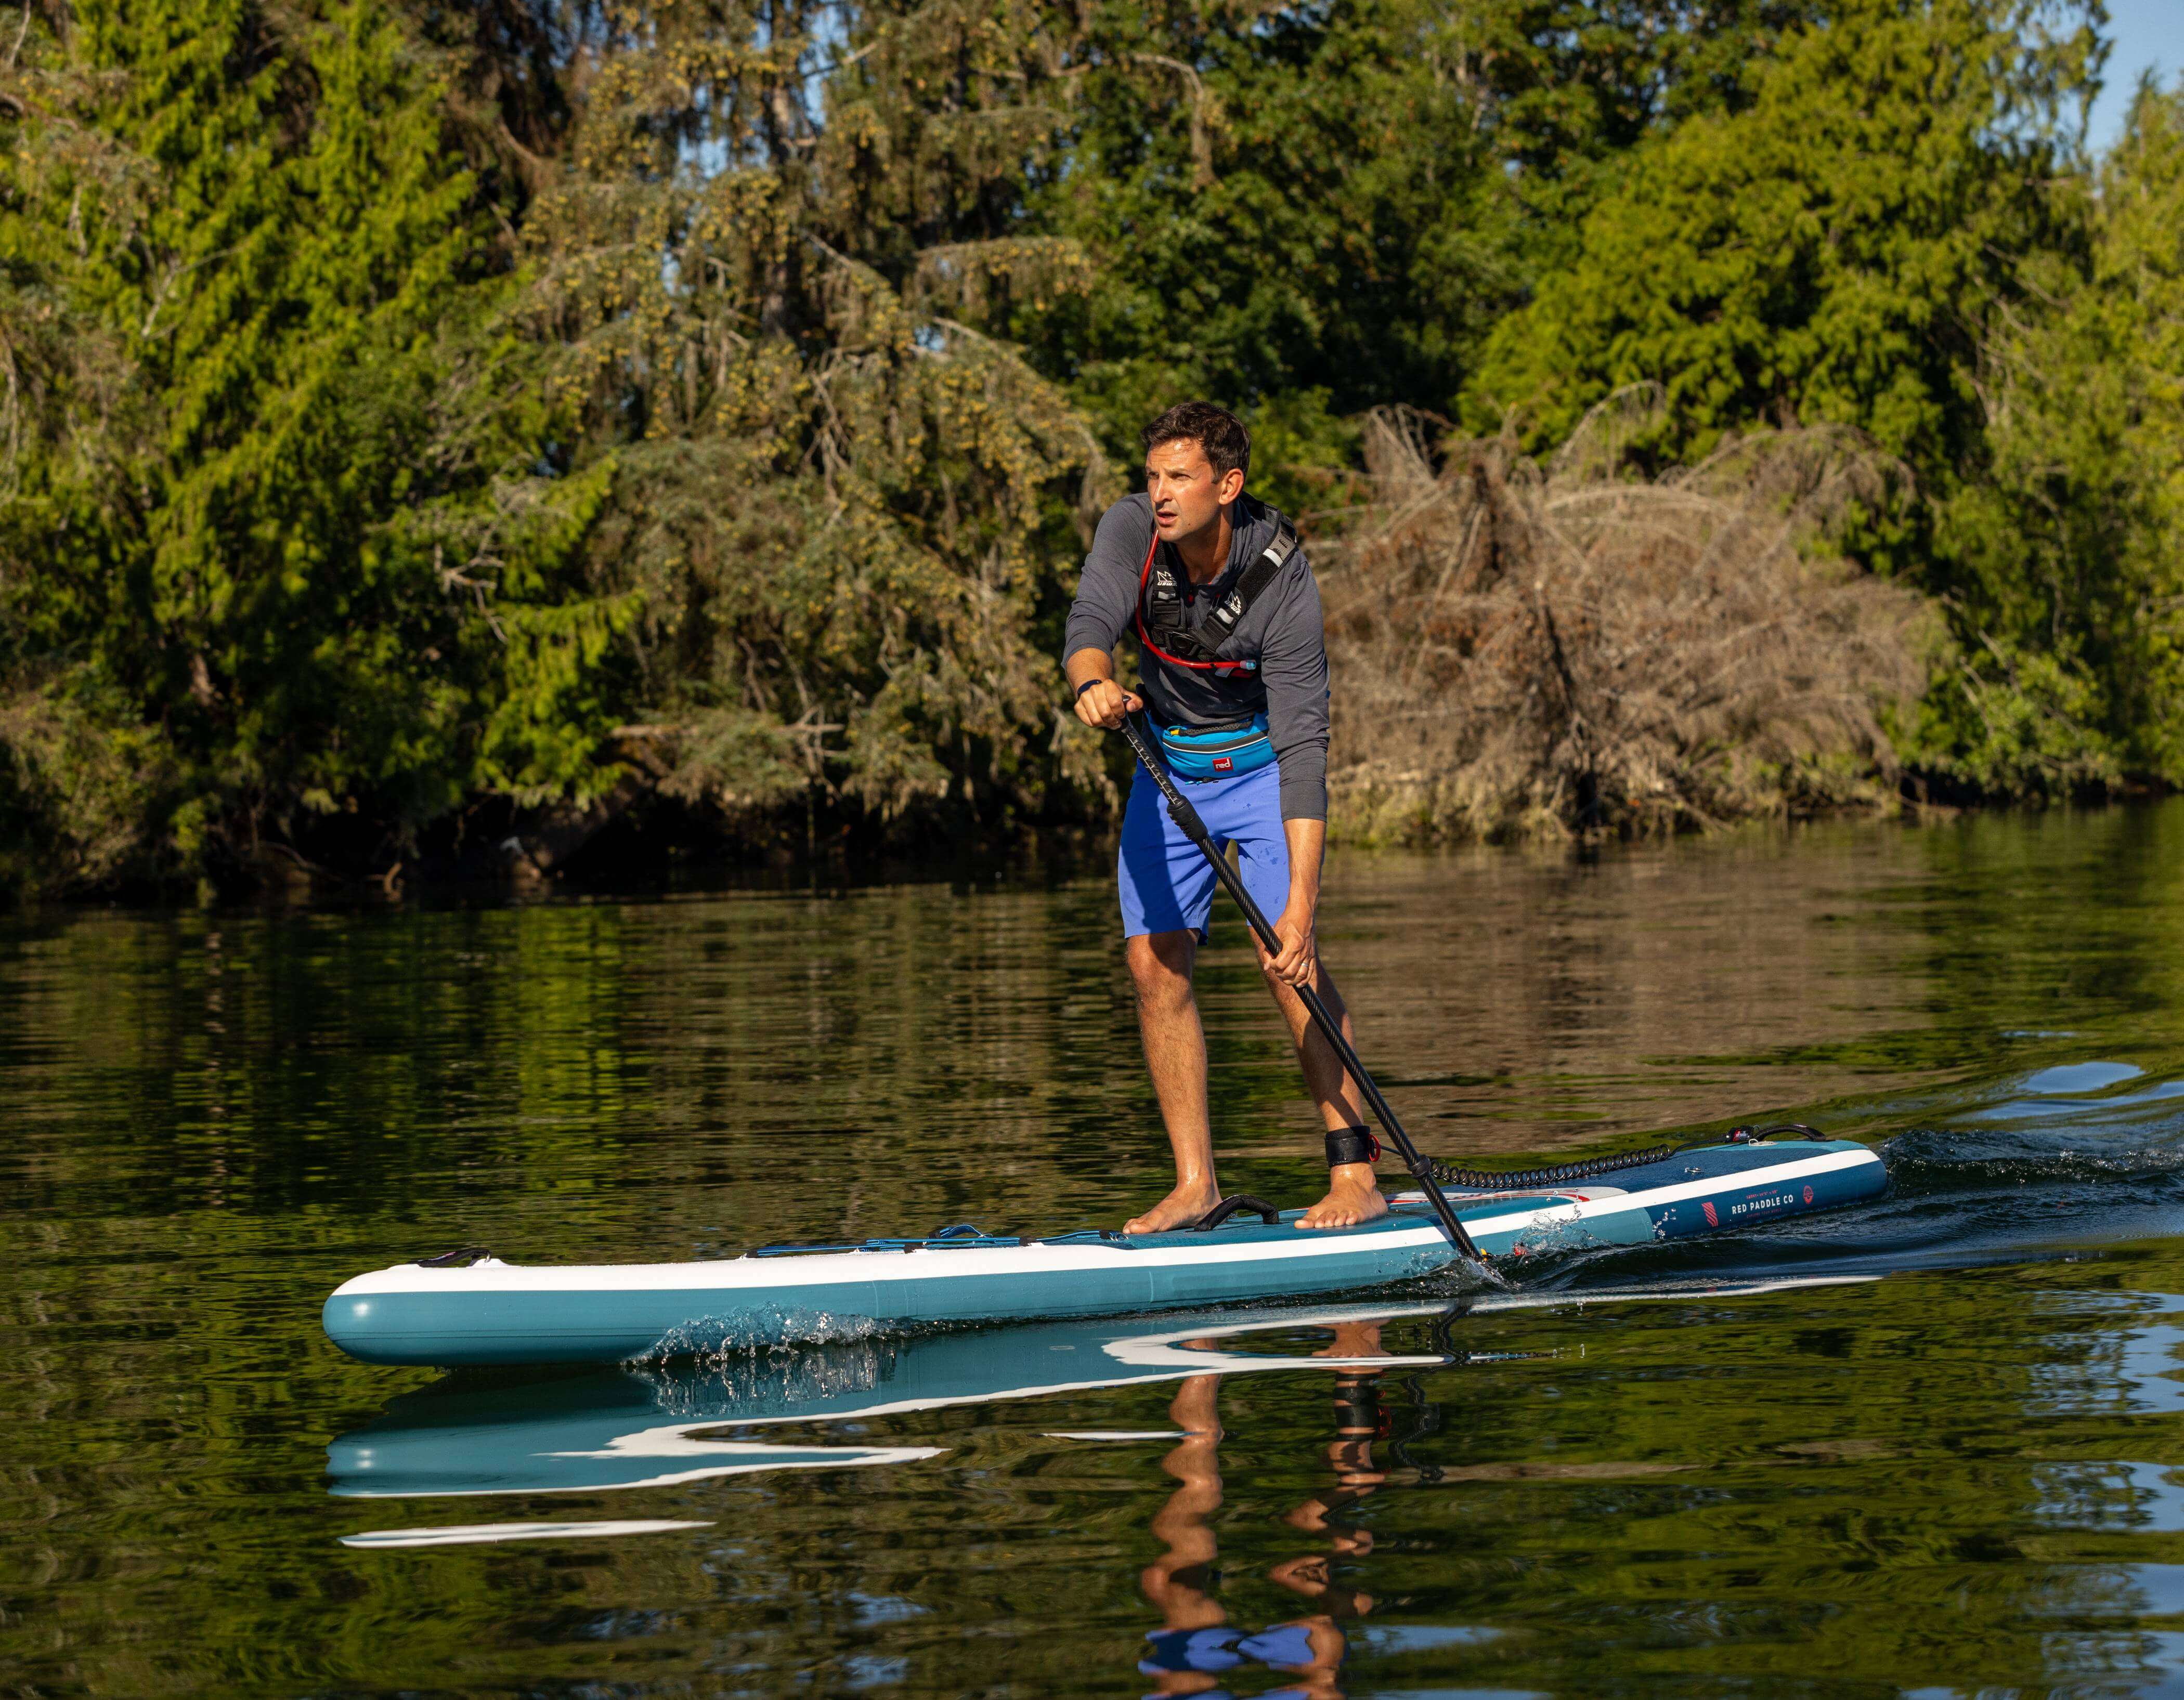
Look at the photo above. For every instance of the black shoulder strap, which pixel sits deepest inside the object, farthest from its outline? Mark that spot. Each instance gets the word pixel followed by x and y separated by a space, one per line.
pixel 1163 608
pixel 1255 578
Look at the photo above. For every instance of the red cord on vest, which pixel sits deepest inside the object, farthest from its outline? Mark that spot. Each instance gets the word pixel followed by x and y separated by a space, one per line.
pixel 1144 637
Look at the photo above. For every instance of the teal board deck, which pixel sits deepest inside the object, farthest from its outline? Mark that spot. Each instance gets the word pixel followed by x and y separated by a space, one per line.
pixel 492 1312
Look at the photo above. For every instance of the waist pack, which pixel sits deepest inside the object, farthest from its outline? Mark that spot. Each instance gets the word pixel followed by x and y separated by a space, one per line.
pixel 1223 752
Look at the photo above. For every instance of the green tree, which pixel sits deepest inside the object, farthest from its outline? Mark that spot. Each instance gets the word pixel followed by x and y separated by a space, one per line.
pixel 1833 252
pixel 1289 209
pixel 273 533
pixel 2068 555
pixel 1310 211
pixel 841 506
pixel 1577 82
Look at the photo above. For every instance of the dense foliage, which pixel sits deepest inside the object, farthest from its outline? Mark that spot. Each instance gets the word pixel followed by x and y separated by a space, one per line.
pixel 432 433
pixel 281 538
pixel 2066 554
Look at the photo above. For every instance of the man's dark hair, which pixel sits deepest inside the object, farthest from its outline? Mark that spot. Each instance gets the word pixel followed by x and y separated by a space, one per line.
pixel 1217 431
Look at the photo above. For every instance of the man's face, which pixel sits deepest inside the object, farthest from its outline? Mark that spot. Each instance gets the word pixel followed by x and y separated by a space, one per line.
pixel 1187 497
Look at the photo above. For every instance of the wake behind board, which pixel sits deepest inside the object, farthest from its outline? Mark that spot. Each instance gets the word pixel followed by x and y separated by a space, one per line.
pixel 491 1312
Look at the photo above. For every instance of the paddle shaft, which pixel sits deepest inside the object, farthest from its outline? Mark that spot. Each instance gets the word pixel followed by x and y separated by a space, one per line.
pixel 1185 815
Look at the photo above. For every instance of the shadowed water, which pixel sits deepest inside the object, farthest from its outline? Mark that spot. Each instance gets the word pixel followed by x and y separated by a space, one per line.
pixel 1932 1445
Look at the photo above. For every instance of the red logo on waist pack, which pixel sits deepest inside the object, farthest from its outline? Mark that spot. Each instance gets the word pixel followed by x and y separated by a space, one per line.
pixel 1222 765
pixel 1712 1220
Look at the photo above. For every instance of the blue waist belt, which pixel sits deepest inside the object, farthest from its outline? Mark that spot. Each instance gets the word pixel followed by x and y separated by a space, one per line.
pixel 1223 752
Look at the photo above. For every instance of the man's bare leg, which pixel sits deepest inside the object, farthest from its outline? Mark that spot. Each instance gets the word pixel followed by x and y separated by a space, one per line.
pixel 1175 1055
pixel 1353 1195
pixel 1176 1580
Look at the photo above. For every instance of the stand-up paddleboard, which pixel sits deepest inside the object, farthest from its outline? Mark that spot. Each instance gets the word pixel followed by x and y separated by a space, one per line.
pixel 492 1312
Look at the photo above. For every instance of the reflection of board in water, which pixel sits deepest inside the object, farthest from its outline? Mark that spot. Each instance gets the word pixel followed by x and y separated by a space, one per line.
pixel 635 1428
pixel 663 1426
pixel 492 1312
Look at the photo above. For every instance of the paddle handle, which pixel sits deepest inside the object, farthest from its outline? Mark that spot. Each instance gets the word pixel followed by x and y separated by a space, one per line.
pixel 1186 816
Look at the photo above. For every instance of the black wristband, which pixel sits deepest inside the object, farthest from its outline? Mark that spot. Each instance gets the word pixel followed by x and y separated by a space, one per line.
pixel 1352 1145
pixel 1090 683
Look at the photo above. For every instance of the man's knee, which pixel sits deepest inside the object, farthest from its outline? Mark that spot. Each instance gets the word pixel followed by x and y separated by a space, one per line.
pixel 1160 968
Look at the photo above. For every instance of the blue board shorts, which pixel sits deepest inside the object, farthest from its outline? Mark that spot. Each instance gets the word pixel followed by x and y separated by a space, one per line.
pixel 1166 882
pixel 1176 1651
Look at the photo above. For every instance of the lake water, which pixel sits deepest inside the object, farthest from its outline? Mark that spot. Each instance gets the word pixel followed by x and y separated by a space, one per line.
pixel 1930 1446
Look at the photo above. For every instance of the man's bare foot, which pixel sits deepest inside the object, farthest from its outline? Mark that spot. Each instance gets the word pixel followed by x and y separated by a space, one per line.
pixel 1352 1196
pixel 1179 1210
pixel 1354 1340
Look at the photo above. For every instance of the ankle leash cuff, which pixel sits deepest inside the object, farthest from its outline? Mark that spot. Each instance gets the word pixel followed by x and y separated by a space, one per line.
pixel 1352 1145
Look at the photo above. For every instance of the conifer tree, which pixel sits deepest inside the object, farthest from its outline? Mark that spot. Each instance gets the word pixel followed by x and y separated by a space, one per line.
pixel 1309 212
pixel 835 500
pixel 1828 255
pixel 2068 551
pixel 272 533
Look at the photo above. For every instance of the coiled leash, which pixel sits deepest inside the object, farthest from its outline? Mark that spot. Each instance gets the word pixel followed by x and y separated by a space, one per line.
pixel 1522 1179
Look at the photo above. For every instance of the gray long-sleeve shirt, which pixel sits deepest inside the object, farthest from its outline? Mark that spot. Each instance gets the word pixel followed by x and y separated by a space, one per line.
pixel 1282 630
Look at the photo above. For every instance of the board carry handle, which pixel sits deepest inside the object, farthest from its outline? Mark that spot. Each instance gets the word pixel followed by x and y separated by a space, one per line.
pixel 1234 1205
pixel 455 1259
pixel 1185 815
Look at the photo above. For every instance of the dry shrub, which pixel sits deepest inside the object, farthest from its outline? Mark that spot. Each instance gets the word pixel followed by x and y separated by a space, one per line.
pixel 1528 650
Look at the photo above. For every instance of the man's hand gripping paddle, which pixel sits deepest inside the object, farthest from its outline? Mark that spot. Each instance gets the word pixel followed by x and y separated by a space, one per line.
pixel 1185 816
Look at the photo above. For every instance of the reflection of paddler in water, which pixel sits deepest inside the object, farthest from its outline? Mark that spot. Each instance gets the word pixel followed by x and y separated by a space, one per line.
pixel 1198 1644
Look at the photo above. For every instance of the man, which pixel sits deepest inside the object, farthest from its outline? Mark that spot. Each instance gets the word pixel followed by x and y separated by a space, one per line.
pixel 1234 663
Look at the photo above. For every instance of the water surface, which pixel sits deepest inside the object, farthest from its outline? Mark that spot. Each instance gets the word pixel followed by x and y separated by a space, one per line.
pixel 1931 1445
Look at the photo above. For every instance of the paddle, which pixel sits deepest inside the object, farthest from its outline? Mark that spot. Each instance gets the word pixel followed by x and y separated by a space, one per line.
pixel 1186 816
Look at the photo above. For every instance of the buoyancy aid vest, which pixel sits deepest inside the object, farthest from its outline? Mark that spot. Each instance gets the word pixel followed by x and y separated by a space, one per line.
pixel 1165 626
